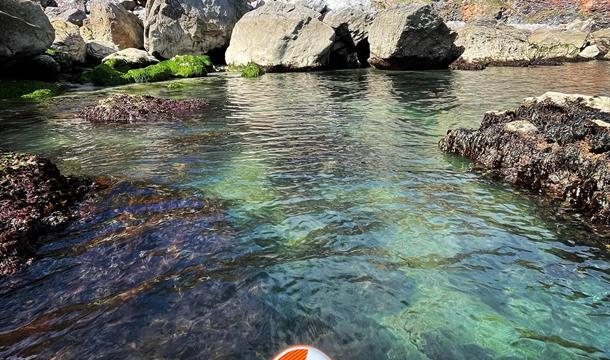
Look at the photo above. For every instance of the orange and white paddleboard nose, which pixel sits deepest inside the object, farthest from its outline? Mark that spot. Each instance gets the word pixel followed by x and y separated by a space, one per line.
pixel 302 352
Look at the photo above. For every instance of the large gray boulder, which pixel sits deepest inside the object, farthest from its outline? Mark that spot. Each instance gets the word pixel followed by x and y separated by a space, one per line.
pixel 493 45
pixel 25 30
pixel 190 26
pixel 558 44
pixel 111 22
pixel 97 50
pixel 411 37
pixel 281 36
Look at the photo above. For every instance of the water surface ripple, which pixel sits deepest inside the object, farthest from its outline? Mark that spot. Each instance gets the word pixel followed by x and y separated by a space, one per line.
pixel 333 221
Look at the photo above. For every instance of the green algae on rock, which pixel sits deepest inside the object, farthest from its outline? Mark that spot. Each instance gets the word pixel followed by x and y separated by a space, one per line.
pixel 252 70
pixel 117 72
pixel 28 90
pixel 557 144
pixel 123 108
pixel 34 199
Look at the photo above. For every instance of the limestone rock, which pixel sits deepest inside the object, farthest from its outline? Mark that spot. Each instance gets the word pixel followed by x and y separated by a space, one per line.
pixel 75 16
pixel 315 5
pixel 293 38
pixel 351 48
pixel 190 26
pixel 411 37
pixel 135 58
pixel 590 52
pixel 97 50
pixel 501 45
pixel 578 25
pixel 68 43
pixel 557 44
pixel 72 4
pixel 601 39
pixel 113 23
pixel 333 5
pixel 25 30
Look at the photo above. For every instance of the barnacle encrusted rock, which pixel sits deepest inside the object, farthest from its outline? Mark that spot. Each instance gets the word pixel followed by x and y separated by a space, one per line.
pixel 556 144
pixel 123 108
pixel 35 199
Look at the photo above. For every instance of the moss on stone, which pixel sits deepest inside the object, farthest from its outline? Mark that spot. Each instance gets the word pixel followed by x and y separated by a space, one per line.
pixel 116 72
pixel 104 75
pixel 187 66
pixel 119 65
pixel 252 70
pixel 152 73
pixel 28 90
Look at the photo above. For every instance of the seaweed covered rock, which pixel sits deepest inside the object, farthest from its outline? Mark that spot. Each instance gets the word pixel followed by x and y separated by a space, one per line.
pixel 118 71
pixel 557 145
pixel 132 58
pixel 123 108
pixel 28 90
pixel 34 200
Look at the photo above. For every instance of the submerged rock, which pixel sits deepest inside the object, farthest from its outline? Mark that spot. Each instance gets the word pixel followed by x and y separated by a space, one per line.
pixel 123 108
pixel 411 37
pixel 557 145
pixel 34 200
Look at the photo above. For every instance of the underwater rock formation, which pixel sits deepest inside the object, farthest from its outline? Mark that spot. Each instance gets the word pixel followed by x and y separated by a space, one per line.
pixel 557 145
pixel 35 199
pixel 123 108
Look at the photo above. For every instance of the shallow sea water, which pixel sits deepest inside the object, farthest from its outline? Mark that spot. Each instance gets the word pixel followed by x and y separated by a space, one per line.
pixel 332 220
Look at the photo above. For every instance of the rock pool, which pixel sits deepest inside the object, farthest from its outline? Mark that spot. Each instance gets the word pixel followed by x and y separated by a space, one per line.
pixel 332 220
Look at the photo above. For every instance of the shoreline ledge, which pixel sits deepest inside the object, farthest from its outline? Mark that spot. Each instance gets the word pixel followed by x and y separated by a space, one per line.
pixel 557 145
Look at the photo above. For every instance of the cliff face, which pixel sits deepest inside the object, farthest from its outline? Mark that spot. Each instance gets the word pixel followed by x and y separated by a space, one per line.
pixel 526 11
pixel 529 11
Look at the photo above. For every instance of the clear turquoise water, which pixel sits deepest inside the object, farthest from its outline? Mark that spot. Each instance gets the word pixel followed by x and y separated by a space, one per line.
pixel 341 226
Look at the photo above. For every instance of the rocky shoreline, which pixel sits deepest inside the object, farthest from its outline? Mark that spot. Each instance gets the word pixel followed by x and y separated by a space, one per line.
pixel 556 145
pixel 35 200
pixel 59 40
